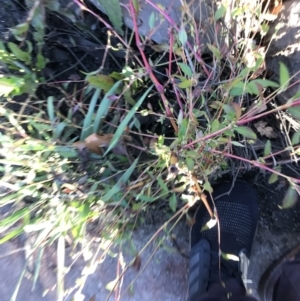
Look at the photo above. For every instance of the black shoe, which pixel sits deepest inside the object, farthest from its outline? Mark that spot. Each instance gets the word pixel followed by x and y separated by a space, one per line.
pixel 238 216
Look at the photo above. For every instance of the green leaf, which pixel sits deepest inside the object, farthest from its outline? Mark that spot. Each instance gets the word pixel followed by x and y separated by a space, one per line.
pixel 11 235
pixel 12 219
pixel 183 128
pixel 41 62
pixel 264 29
pixel 186 69
pixel 10 84
pixel 145 198
pixel 104 107
pixel 267 150
pixel 127 96
pixel 162 185
pixel 228 109
pixel 215 126
pixel 151 21
pixel 207 187
pixel 246 132
pixel 187 83
pixel 237 144
pixel 238 89
pixel 266 83
pixel 296 138
pixel 112 285
pixel 252 88
pixel 295 112
pixel 114 12
pixel 20 31
pixel 284 76
pixel 125 121
pixel 290 198
pixel 50 108
pixel 87 129
pixel 20 54
pixel 136 5
pixel 216 52
pixel 182 35
pixel 173 202
pixel 273 178
pixel 117 187
pixel 190 164
pixel 100 81
pixel 220 13
pixel 58 130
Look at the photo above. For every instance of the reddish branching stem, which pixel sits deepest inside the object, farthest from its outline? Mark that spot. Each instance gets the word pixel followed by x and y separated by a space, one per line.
pixel 174 25
pixel 256 164
pixel 158 86
pixel 244 121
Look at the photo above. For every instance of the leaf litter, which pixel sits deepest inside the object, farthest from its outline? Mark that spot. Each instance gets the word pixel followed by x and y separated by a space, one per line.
pixel 265 130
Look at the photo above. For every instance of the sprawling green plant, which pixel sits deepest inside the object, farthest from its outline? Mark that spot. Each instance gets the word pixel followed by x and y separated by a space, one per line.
pixel 62 173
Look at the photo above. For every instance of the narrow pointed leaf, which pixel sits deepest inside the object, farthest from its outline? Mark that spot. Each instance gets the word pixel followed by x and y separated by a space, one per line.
pixel 246 132
pixel 129 116
pixel 267 149
pixel 295 112
pixel 284 76
pixel 290 198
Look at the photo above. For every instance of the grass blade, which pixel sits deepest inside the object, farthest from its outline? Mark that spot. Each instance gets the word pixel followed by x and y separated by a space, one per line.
pixel 11 235
pixel 284 76
pixel 122 180
pixel 104 107
pixel 12 219
pixel 87 128
pixel 50 109
pixel 122 126
pixel 58 130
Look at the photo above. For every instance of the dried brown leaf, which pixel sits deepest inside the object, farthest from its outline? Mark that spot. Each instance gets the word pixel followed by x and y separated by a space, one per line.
pixel 265 130
pixel 237 108
pixel 80 145
pixel 95 142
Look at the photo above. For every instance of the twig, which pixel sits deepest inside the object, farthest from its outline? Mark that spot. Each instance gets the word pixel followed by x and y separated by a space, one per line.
pixel 244 121
pixel 257 164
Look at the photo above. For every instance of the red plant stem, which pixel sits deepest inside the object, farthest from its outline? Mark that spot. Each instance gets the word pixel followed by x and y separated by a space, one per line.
pixel 283 107
pixel 279 152
pixel 257 164
pixel 171 21
pixel 243 121
pixel 171 52
pixel 148 68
